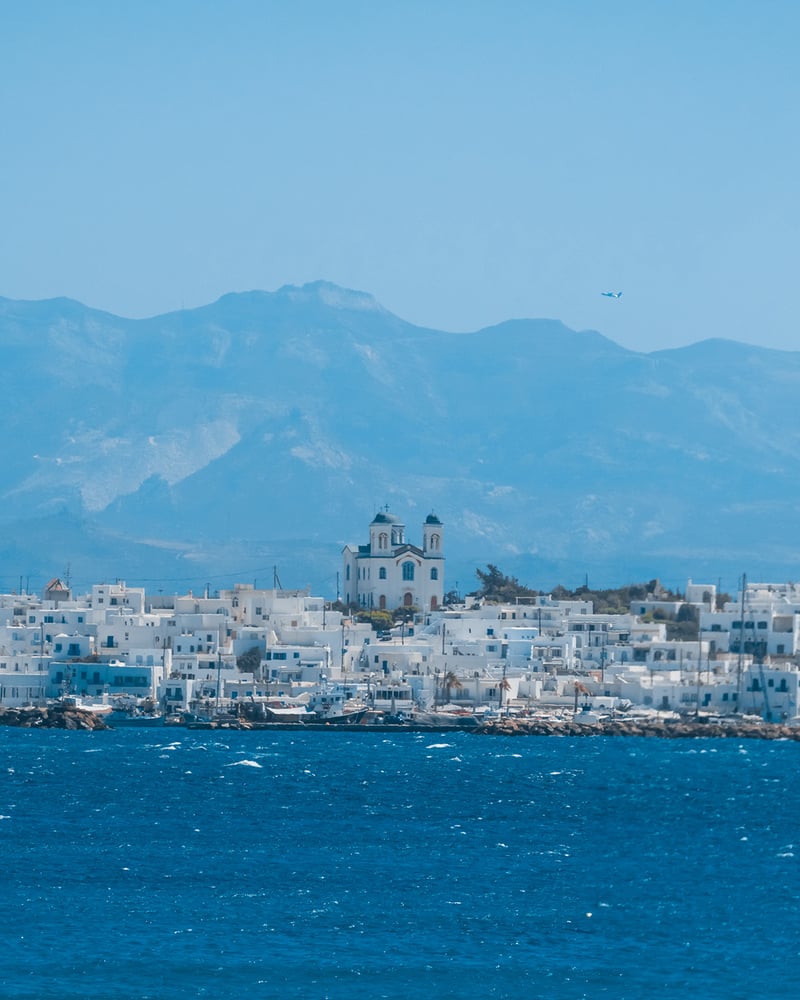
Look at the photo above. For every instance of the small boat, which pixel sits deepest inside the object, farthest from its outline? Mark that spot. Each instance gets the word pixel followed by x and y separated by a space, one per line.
pixel 332 705
pixel 96 708
pixel 285 713
pixel 133 717
pixel 130 711
pixel 445 719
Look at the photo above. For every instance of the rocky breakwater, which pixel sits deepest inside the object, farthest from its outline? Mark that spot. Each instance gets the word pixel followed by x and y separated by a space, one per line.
pixel 51 717
pixel 658 728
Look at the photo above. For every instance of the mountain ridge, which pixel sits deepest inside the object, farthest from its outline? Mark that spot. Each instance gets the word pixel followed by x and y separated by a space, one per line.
pixel 265 420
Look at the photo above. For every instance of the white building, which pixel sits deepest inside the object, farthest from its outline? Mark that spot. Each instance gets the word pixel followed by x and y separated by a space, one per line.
pixel 389 572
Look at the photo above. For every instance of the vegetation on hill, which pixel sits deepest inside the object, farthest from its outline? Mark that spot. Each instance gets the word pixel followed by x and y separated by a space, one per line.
pixel 498 588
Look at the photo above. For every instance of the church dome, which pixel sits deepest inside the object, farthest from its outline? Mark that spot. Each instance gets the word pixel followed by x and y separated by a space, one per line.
pixel 384 517
pixel 432 519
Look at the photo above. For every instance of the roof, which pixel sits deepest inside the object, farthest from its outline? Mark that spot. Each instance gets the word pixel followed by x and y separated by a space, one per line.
pixel 384 517
pixel 432 519
pixel 405 549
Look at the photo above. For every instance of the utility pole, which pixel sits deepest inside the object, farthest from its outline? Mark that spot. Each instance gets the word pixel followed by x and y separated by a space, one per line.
pixel 699 667
pixel 741 648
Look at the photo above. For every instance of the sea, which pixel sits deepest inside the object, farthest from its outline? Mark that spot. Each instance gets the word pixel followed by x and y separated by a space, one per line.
pixel 149 864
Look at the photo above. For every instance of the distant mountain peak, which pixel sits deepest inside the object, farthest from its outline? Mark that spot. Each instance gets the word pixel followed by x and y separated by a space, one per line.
pixel 329 294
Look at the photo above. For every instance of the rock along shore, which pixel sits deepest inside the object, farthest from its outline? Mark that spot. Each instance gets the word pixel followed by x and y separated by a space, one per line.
pixel 69 717
pixel 662 729
pixel 51 717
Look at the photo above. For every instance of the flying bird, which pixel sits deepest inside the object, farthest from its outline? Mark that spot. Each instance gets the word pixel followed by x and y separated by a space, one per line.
pixel 612 295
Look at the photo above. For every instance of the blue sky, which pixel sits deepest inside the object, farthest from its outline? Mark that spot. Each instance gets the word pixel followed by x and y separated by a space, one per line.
pixel 464 162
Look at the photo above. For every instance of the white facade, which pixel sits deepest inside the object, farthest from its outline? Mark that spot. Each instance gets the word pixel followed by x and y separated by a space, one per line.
pixel 389 573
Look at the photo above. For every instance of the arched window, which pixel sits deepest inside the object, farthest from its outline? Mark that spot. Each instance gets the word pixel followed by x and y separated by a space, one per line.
pixel 434 573
pixel 382 573
pixel 408 570
pixel 383 540
pixel 434 541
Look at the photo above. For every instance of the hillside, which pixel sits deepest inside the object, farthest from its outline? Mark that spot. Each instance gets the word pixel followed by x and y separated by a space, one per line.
pixel 265 429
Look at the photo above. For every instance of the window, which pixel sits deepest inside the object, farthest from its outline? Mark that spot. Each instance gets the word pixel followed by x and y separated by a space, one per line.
pixel 762 624
pixel 347 573
pixel 434 573
pixel 382 573
pixel 408 571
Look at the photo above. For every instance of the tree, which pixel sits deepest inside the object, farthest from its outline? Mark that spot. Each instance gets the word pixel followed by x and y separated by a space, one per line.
pixel 381 621
pixel 496 586
pixel 449 682
pixel 250 661
pixel 686 625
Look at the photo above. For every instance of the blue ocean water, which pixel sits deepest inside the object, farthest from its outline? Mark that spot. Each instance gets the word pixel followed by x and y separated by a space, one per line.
pixel 162 863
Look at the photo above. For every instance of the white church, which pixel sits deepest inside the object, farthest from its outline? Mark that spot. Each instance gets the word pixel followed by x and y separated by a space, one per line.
pixel 389 572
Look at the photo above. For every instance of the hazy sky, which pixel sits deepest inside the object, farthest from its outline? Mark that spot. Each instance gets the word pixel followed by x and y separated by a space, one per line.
pixel 465 162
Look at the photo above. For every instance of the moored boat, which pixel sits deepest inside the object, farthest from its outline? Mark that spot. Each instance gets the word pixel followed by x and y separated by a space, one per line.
pixel 124 717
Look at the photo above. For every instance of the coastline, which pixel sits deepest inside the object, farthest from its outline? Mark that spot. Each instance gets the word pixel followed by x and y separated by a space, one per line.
pixel 71 718
pixel 656 728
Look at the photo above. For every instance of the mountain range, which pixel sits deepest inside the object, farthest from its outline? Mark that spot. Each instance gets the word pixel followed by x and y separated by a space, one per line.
pixel 250 439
